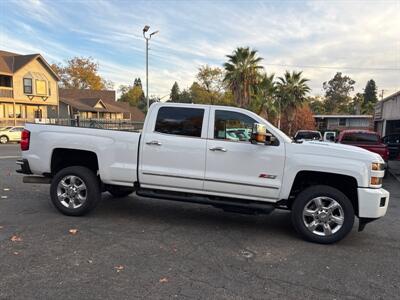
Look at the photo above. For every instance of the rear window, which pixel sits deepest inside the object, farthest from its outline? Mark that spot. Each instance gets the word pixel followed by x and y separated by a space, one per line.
pixel 180 121
pixel 308 136
pixel 366 138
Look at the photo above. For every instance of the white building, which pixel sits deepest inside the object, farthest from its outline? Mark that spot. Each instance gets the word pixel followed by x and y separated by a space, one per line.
pixel 387 115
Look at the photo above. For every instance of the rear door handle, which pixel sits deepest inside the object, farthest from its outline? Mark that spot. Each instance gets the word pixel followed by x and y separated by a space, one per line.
pixel 221 149
pixel 155 143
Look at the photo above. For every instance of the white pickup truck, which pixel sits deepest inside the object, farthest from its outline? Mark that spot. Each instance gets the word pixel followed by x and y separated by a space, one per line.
pixel 210 155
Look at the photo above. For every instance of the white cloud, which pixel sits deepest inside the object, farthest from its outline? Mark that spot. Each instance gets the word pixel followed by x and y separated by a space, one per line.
pixel 316 33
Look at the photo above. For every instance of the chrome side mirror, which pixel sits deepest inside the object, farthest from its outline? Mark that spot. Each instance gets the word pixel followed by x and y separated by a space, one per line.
pixel 258 134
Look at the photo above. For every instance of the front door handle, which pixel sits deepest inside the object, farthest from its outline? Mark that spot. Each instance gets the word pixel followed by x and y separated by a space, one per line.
pixel 155 143
pixel 221 149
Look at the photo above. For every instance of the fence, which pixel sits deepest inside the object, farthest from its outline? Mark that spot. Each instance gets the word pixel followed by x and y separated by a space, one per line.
pixel 121 125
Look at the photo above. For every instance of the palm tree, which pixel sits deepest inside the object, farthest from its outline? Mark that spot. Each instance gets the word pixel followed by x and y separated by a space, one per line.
pixel 292 90
pixel 264 102
pixel 241 73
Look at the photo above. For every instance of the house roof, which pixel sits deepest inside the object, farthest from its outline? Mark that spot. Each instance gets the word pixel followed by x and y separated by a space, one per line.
pixel 12 62
pixel 343 116
pixel 86 100
pixel 390 97
pixel 90 105
pixel 105 95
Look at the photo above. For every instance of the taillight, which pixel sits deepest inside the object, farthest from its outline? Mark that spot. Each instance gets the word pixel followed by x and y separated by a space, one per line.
pixel 25 139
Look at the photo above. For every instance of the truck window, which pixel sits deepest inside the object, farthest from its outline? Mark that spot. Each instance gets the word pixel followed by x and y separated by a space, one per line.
pixel 366 138
pixel 233 126
pixel 180 121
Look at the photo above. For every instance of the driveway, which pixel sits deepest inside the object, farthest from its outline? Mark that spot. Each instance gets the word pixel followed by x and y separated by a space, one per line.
pixel 144 248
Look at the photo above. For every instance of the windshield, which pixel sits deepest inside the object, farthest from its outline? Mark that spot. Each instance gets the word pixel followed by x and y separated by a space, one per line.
pixel 366 138
pixel 5 128
pixel 307 135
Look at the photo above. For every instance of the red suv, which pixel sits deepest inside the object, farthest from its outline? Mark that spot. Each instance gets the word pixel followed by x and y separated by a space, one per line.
pixel 369 140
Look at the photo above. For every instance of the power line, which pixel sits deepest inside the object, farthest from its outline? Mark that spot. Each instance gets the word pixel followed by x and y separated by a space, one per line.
pixel 335 68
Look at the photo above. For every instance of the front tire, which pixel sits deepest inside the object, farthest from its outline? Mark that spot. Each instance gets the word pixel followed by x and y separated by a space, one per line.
pixel 75 191
pixel 4 139
pixel 322 214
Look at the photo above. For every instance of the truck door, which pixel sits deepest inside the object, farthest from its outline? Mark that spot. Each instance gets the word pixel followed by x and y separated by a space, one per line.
pixel 173 149
pixel 234 166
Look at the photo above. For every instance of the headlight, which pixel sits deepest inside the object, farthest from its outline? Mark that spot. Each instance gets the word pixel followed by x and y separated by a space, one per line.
pixel 378 167
pixel 376 180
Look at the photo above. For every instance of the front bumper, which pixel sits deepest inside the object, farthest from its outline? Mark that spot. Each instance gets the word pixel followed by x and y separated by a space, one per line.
pixel 372 203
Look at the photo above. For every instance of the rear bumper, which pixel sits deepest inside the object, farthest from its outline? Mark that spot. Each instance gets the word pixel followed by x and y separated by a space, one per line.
pixel 372 203
pixel 24 166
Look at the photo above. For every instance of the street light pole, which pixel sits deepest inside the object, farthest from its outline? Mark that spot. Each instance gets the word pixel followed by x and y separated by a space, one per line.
pixel 145 29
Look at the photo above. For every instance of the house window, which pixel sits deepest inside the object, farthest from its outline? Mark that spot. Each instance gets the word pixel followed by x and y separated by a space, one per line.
pixel 5 81
pixel 342 122
pixel 28 86
pixel 41 87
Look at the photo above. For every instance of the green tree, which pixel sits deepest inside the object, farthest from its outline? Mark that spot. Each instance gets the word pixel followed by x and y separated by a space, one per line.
pixel 356 104
pixel 81 73
pixel 175 93
pixel 210 86
pixel 133 94
pixel 185 97
pixel 241 73
pixel 212 79
pixel 292 89
pixel 317 105
pixel 370 97
pixel 337 93
pixel 264 97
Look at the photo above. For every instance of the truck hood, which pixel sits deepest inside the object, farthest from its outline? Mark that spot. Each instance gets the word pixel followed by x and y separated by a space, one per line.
pixel 329 149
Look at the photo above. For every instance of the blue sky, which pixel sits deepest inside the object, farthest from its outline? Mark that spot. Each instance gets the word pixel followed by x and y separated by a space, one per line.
pixel 359 38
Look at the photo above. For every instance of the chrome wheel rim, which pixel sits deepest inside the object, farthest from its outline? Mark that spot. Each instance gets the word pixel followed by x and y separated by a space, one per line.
pixel 72 192
pixel 323 216
pixel 3 140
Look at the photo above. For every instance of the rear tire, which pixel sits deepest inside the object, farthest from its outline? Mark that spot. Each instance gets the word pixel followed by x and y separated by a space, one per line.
pixel 322 214
pixel 119 191
pixel 4 139
pixel 75 191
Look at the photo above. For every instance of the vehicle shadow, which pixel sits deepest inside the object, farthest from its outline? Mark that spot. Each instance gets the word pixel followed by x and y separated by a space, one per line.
pixel 191 215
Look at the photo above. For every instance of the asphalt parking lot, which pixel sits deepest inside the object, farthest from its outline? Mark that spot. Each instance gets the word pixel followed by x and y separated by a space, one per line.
pixel 143 248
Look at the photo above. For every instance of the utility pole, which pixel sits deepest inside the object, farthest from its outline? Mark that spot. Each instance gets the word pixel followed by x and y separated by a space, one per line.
pixel 145 29
pixel 382 91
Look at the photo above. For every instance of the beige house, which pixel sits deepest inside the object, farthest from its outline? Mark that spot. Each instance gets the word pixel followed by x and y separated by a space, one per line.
pixel 28 89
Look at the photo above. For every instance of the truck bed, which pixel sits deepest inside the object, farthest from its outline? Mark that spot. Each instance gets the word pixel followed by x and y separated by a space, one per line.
pixel 116 151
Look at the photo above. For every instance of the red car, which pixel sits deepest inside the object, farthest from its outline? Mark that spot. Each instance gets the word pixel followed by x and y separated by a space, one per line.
pixel 368 140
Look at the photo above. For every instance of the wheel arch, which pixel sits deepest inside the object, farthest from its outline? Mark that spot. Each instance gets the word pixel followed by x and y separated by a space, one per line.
pixel 344 183
pixel 64 157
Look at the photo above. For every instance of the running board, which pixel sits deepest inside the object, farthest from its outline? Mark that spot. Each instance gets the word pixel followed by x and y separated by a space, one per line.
pixel 36 179
pixel 227 204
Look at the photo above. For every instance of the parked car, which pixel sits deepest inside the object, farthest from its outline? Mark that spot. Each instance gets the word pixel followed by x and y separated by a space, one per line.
pixel 393 143
pixel 329 136
pixel 10 134
pixel 307 135
pixel 185 153
pixel 365 139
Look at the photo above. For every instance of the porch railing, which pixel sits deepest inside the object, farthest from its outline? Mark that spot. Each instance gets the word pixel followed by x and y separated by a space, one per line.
pixel 6 92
